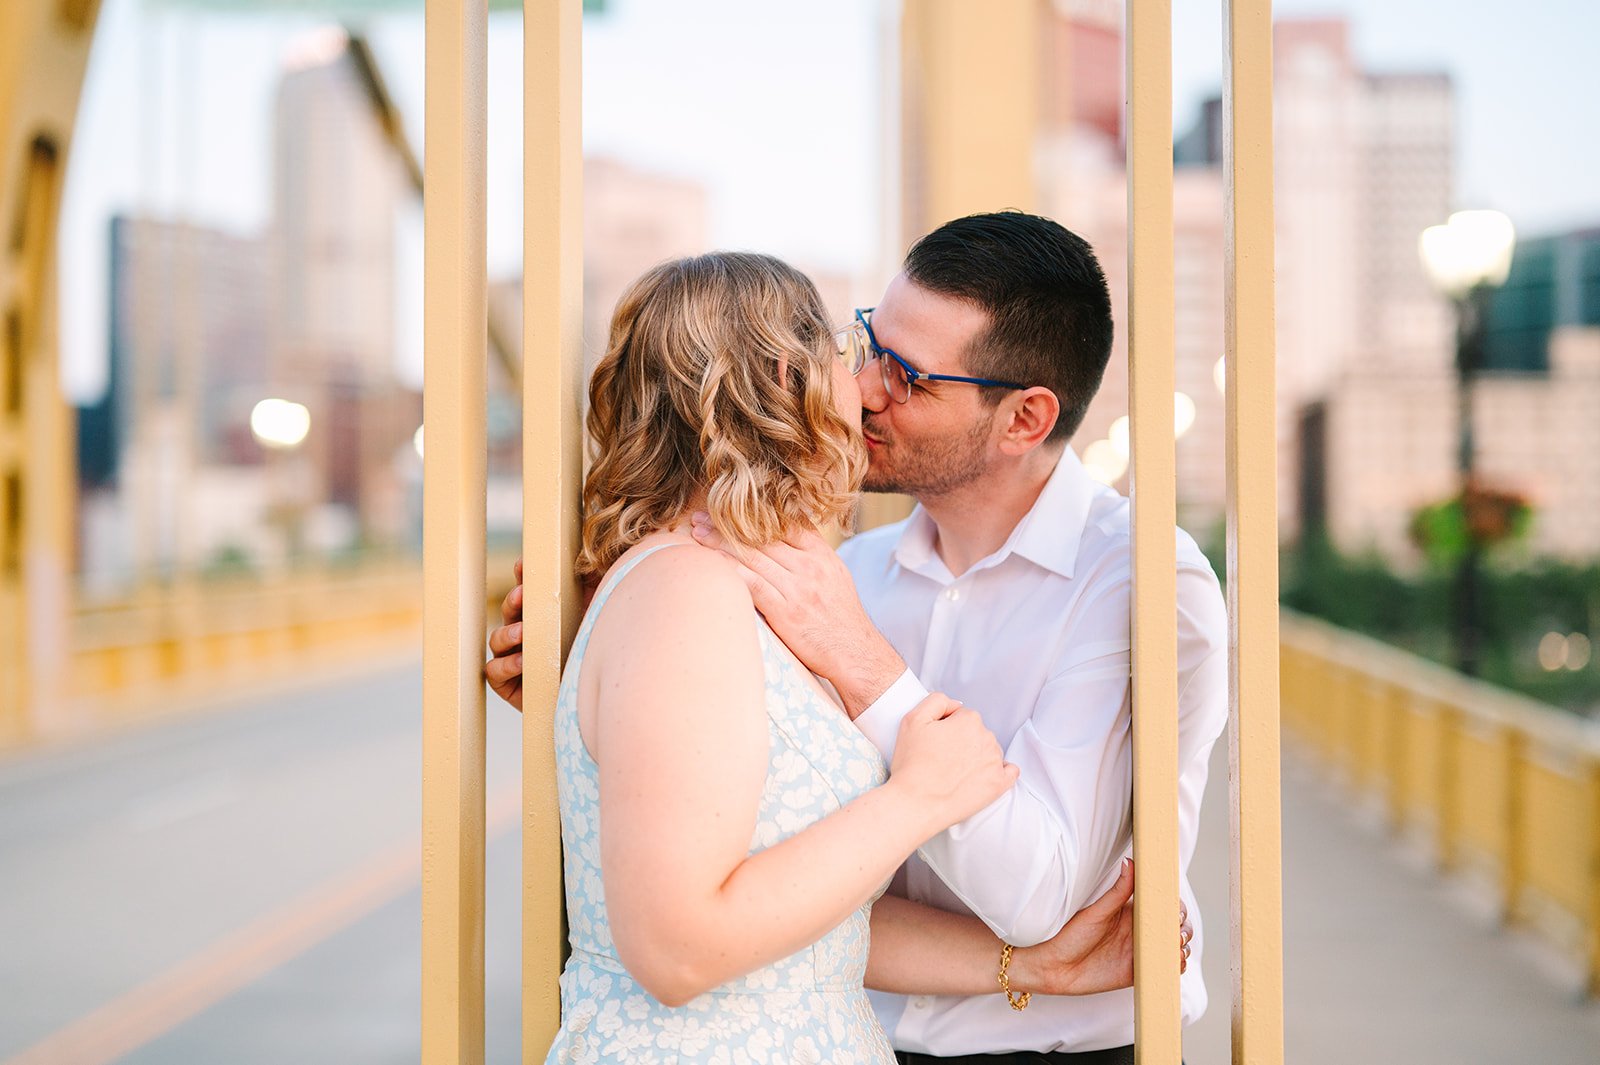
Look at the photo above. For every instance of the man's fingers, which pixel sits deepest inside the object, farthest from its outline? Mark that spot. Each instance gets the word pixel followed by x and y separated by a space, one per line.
pixel 516 568
pixel 707 535
pixel 754 561
pixel 765 597
pixel 807 541
pixel 773 569
pixel 505 638
pixel 786 553
pixel 774 574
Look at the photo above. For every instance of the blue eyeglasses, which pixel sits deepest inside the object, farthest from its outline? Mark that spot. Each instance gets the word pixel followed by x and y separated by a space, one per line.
pixel 858 345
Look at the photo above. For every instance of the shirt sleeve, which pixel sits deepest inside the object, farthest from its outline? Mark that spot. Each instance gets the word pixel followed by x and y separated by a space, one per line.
pixel 1038 854
pixel 880 722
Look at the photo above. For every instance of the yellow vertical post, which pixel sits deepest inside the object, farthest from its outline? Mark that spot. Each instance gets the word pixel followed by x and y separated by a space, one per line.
pixel 44 49
pixel 969 108
pixel 1398 708
pixel 1449 795
pixel 969 90
pixel 1591 811
pixel 454 472
pixel 1256 892
pixel 552 295
pixel 1513 870
pixel 1157 1016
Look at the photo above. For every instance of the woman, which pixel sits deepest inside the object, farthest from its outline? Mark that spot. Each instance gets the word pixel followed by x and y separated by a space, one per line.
pixel 723 913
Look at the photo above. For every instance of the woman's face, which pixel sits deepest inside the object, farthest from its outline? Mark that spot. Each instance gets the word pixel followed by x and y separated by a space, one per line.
pixel 846 395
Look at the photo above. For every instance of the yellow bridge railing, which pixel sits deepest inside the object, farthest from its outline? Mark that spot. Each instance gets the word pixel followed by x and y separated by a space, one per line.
pixel 1502 786
pixel 162 646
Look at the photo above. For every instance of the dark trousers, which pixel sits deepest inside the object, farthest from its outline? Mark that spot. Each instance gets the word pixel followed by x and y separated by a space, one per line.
pixel 1113 1056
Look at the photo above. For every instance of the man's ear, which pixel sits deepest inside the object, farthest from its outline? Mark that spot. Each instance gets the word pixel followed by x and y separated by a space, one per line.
pixel 1028 418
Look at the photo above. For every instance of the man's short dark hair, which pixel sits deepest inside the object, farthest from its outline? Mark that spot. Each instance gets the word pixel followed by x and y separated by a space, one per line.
pixel 1046 297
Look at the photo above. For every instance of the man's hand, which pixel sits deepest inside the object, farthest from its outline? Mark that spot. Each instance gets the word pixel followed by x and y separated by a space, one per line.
pixel 1094 952
pixel 504 670
pixel 806 594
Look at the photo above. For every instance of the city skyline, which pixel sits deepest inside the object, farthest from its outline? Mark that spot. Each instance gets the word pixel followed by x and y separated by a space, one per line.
pixel 698 131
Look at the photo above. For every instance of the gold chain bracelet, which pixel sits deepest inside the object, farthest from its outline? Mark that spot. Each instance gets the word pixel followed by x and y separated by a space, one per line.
pixel 1018 1002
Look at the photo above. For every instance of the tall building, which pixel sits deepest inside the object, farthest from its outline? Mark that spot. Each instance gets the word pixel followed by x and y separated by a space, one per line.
pixel 632 220
pixel 189 356
pixel 1554 282
pixel 179 294
pixel 1406 182
pixel 1363 164
pixel 338 189
pixel 1391 431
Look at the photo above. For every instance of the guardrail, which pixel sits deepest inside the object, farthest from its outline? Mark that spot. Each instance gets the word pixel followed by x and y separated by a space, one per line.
pixel 1500 784
pixel 164 634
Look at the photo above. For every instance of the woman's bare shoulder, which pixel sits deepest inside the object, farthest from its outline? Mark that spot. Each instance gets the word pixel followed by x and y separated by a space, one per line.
pixel 685 584
pixel 681 624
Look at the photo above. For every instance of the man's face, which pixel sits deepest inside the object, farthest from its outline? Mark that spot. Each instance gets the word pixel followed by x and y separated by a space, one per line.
pixel 940 438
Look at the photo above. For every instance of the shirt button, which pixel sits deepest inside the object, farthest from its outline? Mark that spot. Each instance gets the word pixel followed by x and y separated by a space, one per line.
pixel 952 594
pixel 919 1003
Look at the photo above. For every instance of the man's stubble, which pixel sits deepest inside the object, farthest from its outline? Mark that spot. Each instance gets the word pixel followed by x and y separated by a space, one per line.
pixel 931 468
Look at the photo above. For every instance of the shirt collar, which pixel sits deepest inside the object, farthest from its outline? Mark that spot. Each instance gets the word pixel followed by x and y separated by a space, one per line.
pixel 1048 534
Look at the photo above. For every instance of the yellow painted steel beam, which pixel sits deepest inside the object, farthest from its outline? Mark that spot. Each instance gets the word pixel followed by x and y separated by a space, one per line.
pixel 1153 479
pixel 1591 914
pixel 969 108
pixel 392 125
pixel 552 301
pixel 1513 745
pixel 44 49
pixel 1253 723
pixel 454 496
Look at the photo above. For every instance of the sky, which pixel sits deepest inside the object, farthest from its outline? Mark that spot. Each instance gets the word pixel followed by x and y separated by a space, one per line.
pixel 772 106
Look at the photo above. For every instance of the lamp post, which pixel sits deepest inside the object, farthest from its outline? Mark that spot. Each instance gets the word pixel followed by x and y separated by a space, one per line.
pixel 1467 259
pixel 281 426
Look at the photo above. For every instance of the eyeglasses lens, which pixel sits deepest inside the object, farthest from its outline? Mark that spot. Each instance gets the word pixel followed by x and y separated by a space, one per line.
pixel 852 349
pixel 894 378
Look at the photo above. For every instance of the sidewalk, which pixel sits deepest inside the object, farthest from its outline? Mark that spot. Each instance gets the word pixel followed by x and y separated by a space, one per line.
pixel 1383 961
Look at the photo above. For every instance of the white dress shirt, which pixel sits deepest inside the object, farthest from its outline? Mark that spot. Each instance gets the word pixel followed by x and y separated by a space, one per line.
pixel 1036 637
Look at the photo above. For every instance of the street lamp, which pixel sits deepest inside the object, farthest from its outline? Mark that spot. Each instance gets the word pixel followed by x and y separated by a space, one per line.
pixel 1467 259
pixel 280 426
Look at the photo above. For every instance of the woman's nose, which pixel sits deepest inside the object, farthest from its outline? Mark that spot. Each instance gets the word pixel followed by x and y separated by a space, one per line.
pixel 870 380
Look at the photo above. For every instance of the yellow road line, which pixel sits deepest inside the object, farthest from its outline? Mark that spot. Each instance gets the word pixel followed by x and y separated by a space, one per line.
pixel 206 978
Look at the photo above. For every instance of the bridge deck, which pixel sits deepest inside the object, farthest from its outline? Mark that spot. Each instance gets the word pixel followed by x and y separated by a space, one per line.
pixel 261 839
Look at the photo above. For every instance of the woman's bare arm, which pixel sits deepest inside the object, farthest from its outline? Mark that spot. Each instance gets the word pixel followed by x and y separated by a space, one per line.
pixel 922 950
pixel 681 739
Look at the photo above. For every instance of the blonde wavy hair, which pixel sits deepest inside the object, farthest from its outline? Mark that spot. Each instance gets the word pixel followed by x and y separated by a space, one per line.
pixel 717 377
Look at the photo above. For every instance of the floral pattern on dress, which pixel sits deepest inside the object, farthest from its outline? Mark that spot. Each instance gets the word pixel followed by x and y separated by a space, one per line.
pixel 806 1009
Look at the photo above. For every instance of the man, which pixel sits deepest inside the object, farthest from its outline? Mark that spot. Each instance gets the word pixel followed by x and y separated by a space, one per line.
pixel 1008 588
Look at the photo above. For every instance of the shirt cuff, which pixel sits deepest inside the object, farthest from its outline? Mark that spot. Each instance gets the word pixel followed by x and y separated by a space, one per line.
pixel 880 722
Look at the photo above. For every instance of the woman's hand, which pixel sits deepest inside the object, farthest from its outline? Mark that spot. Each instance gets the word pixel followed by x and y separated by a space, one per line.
pixel 948 763
pixel 1094 952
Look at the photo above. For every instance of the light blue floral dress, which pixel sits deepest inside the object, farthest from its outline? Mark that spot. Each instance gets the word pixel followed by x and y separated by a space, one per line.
pixel 808 1007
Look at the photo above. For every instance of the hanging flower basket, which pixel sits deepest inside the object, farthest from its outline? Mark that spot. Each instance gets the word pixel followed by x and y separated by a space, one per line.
pixel 1482 516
